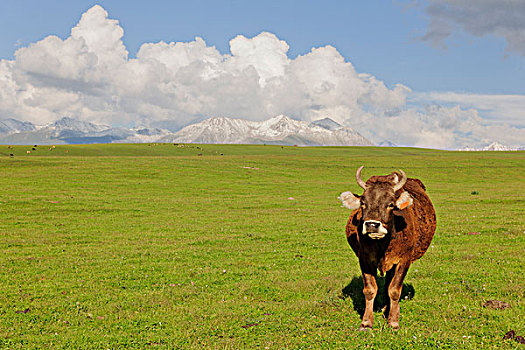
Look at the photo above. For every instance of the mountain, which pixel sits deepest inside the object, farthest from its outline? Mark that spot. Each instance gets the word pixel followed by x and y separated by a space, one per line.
pixel 386 143
pixel 326 123
pixel 11 126
pixel 280 130
pixel 71 131
pixel 70 125
pixel 494 146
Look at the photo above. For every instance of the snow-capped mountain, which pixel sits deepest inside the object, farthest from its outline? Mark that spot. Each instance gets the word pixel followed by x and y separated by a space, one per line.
pixel 71 131
pixel 281 130
pixel 494 146
pixel 67 124
pixel 12 126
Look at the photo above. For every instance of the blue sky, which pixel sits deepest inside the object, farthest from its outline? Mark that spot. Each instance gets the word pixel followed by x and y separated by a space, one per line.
pixel 436 51
pixel 381 38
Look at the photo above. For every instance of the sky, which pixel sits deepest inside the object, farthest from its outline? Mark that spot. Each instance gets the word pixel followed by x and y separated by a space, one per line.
pixel 436 73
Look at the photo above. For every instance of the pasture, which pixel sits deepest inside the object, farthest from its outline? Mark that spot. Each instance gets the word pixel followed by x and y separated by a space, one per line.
pixel 243 247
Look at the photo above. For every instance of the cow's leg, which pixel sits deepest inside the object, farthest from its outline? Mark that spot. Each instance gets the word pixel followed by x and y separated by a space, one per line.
pixel 370 292
pixel 394 292
pixel 388 279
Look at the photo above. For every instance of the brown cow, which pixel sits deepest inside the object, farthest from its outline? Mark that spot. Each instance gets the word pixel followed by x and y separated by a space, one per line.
pixel 391 226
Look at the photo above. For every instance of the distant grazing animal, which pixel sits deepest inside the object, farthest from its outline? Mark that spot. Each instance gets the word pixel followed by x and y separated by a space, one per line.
pixel 391 226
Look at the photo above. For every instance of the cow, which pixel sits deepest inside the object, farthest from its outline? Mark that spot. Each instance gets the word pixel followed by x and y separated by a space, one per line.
pixel 391 225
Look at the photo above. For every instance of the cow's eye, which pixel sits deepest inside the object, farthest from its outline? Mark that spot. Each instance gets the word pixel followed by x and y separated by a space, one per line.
pixel 391 206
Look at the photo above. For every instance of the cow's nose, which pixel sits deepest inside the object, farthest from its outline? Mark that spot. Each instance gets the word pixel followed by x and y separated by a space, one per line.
pixel 372 224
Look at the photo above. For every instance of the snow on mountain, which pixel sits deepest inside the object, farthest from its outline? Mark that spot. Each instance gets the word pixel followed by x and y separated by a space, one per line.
pixel 71 131
pixel 281 130
pixel 11 126
pixel 73 125
pixel 214 130
pixel 277 130
pixel 494 146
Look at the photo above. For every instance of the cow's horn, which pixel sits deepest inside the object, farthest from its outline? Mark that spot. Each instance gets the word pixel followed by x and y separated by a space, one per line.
pixel 401 182
pixel 358 178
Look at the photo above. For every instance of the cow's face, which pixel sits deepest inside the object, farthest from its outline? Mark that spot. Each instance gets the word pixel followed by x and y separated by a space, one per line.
pixel 378 202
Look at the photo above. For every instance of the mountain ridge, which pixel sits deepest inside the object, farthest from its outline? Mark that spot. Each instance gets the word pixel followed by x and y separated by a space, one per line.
pixel 280 129
pixel 493 146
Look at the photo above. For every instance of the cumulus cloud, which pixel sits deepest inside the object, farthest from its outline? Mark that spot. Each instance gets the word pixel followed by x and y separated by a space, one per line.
pixel 502 18
pixel 266 53
pixel 90 76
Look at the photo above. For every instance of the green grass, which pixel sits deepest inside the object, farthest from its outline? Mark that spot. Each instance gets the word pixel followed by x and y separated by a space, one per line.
pixel 153 246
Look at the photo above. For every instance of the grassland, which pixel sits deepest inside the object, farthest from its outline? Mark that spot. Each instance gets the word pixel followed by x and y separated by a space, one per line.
pixel 243 247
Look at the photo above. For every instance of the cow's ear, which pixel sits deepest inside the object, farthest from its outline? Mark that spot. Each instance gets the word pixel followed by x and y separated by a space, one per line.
pixel 404 201
pixel 350 200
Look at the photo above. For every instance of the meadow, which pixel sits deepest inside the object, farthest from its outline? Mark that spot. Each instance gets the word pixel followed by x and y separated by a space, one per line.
pixel 168 246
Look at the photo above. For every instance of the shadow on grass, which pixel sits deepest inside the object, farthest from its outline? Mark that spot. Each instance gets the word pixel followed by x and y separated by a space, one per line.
pixel 354 290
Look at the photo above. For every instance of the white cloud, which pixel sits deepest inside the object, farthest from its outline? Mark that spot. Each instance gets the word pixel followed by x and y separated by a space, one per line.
pixel 501 18
pixel 102 36
pixel 508 109
pixel 89 76
pixel 437 126
pixel 266 53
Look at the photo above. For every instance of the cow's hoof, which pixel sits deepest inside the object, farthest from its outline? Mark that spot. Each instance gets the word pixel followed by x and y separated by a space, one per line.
pixel 394 325
pixel 364 328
